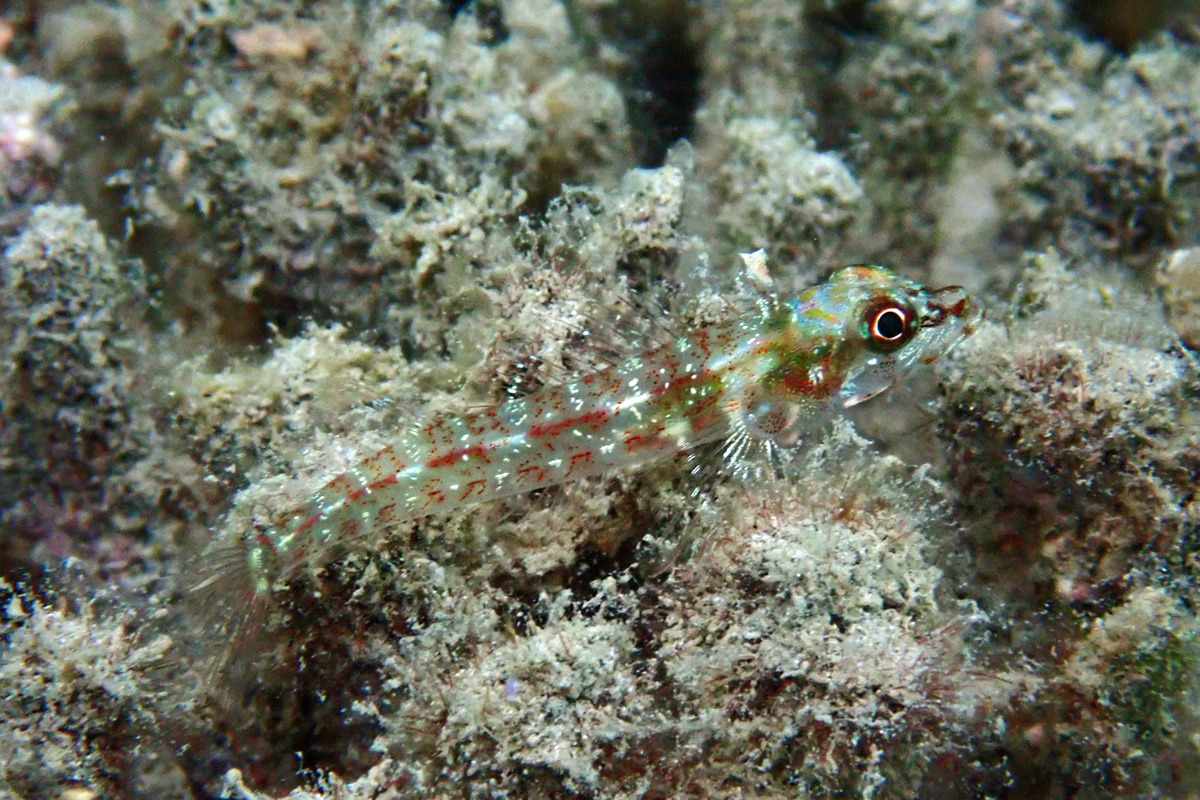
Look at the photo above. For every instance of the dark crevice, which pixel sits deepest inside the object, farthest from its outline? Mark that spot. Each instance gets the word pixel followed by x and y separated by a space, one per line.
pixel 665 87
pixel 831 32
pixel 660 76
pixel 849 18
pixel 488 14
pixel 1123 24
pixel 491 17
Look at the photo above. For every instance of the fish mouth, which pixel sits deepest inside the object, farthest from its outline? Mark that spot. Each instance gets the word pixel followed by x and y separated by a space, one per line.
pixel 952 316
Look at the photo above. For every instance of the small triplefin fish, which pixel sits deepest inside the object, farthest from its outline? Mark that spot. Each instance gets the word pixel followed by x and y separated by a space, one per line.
pixel 777 373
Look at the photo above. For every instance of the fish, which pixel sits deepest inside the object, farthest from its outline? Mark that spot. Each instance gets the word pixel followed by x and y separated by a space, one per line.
pixel 773 374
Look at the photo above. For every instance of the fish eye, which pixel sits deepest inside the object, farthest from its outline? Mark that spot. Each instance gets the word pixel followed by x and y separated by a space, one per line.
pixel 887 324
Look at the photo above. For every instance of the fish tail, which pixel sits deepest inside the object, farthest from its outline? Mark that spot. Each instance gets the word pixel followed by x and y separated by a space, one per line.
pixel 229 604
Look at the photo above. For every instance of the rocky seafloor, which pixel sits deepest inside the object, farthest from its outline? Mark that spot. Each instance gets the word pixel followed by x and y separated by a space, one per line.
pixel 245 242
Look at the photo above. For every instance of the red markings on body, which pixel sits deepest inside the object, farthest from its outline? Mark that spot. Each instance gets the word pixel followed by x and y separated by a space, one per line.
pixel 685 382
pixel 479 451
pixel 376 466
pixel 707 413
pixel 309 524
pixel 594 418
pixel 477 487
pixel 532 474
pixel 358 495
pixel 348 527
pixel 284 521
pixel 342 484
pixel 583 459
pixel 799 381
pixel 386 515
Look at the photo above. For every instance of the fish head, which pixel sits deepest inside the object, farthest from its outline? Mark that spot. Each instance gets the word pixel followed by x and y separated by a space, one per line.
pixel 892 326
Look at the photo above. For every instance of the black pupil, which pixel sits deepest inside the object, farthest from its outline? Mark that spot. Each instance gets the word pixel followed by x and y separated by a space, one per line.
pixel 889 324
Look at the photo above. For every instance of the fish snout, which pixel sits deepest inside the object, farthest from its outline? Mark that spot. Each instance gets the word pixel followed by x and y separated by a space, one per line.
pixel 955 303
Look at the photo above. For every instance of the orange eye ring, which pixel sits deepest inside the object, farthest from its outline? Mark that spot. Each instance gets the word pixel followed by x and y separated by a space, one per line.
pixel 887 325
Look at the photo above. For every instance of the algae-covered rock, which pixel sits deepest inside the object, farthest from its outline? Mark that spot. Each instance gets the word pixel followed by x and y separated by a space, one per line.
pixel 247 244
pixel 76 706
pixel 69 422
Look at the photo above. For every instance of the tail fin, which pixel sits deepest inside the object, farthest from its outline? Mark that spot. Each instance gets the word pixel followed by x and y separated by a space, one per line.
pixel 229 605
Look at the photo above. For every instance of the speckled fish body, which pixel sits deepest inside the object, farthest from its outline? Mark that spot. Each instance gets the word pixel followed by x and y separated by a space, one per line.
pixel 773 375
